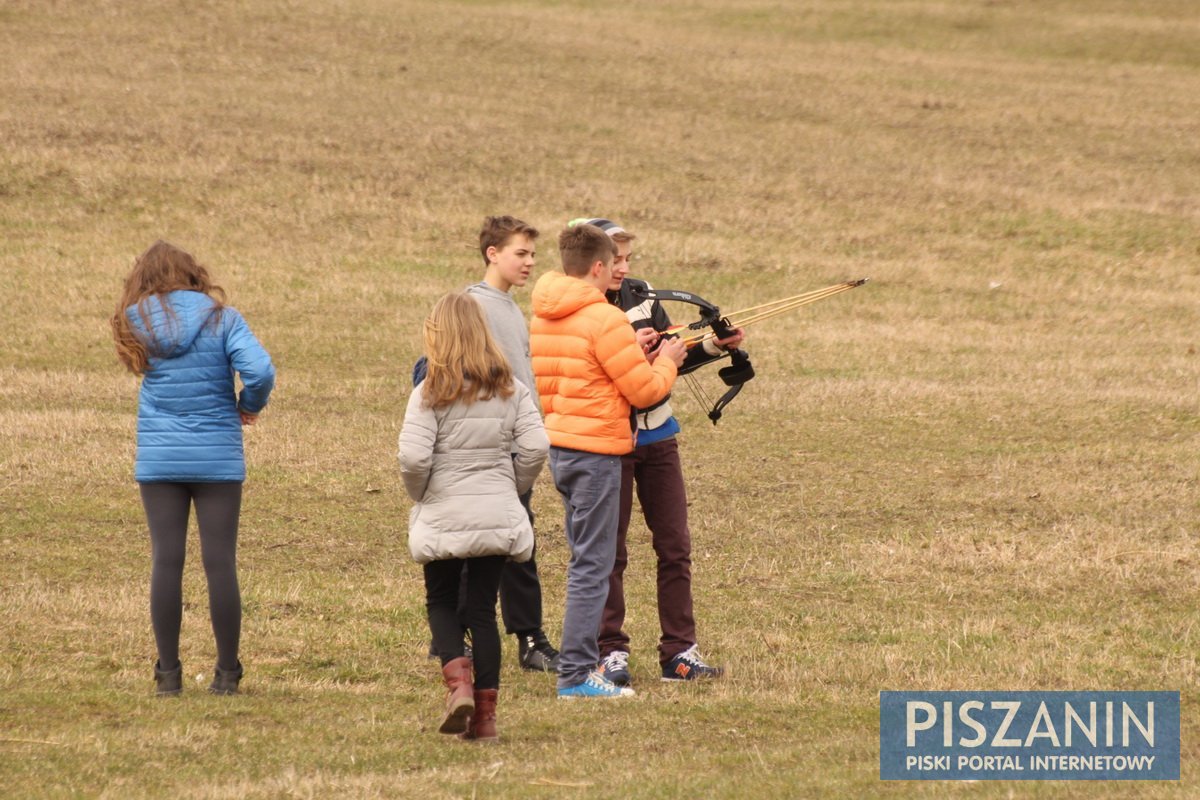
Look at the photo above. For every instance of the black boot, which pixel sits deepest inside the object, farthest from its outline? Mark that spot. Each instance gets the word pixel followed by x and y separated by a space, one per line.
pixel 225 681
pixel 535 652
pixel 169 682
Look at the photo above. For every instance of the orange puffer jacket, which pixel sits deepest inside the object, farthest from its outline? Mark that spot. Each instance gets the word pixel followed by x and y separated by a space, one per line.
pixel 589 367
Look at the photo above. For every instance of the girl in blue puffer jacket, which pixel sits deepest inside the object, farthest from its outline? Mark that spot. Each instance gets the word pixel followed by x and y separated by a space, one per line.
pixel 172 328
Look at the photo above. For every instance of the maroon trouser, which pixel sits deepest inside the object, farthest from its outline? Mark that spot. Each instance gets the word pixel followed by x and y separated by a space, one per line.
pixel 656 470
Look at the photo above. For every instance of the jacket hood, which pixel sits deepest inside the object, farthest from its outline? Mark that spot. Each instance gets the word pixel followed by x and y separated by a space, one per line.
pixel 556 295
pixel 172 330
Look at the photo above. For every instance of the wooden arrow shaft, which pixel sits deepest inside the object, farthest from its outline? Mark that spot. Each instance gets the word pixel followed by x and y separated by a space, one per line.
pixel 748 316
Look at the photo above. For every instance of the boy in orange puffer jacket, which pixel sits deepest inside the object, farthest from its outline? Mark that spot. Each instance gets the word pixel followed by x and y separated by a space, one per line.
pixel 590 373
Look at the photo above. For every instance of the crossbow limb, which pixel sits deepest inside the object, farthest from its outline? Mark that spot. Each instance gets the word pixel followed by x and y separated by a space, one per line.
pixel 713 325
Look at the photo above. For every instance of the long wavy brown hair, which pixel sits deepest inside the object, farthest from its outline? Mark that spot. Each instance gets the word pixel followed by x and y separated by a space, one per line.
pixel 465 363
pixel 161 269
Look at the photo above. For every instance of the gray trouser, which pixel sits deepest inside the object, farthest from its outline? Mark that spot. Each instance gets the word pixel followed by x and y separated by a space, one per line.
pixel 590 485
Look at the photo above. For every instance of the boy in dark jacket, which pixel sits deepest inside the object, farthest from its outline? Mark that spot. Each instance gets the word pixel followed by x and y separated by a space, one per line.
pixel 655 468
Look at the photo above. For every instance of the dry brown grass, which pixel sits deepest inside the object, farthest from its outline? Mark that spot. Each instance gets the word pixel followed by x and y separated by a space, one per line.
pixel 977 472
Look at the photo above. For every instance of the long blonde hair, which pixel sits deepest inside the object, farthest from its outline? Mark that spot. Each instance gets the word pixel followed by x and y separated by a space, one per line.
pixel 464 361
pixel 161 269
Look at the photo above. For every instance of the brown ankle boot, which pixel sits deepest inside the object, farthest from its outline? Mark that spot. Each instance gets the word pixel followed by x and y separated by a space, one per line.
pixel 169 682
pixel 483 721
pixel 460 701
pixel 225 681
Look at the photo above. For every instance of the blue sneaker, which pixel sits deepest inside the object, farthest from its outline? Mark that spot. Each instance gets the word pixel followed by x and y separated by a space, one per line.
pixel 615 667
pixel 596 685
pixel 688 666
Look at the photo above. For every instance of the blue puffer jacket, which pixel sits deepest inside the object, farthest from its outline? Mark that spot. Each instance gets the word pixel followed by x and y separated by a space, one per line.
pixel 188 424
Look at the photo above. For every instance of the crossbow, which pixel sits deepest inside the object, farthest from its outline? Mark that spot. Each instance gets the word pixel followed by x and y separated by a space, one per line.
pixel 712 324
pixel 739 372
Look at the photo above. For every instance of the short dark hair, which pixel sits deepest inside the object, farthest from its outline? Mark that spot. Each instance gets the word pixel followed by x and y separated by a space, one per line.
pixel 496 232
pixel 582 246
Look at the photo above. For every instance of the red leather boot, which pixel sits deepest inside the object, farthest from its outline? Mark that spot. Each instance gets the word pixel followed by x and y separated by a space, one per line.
pixel 483 721
pixel 460 701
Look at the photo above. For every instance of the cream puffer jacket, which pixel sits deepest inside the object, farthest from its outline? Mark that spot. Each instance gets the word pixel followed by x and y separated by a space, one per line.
pixel 460 466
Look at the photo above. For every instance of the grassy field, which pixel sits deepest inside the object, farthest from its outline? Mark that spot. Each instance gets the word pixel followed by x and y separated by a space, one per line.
pixel 976 472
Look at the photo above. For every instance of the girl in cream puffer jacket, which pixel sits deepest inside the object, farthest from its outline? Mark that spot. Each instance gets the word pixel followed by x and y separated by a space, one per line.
pixel 459 464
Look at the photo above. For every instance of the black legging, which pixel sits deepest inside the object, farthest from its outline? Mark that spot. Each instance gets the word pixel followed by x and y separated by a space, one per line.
pixel 520 590
pixel 218 506
pixel 442 580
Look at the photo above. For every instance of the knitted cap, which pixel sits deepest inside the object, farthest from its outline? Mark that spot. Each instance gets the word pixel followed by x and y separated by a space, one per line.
pixel 606 225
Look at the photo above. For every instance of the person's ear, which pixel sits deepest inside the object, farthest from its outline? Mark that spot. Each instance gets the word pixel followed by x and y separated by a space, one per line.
pixel 492 254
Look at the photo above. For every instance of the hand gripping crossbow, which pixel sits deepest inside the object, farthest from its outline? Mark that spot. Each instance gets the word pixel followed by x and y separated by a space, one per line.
pixel 713 325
